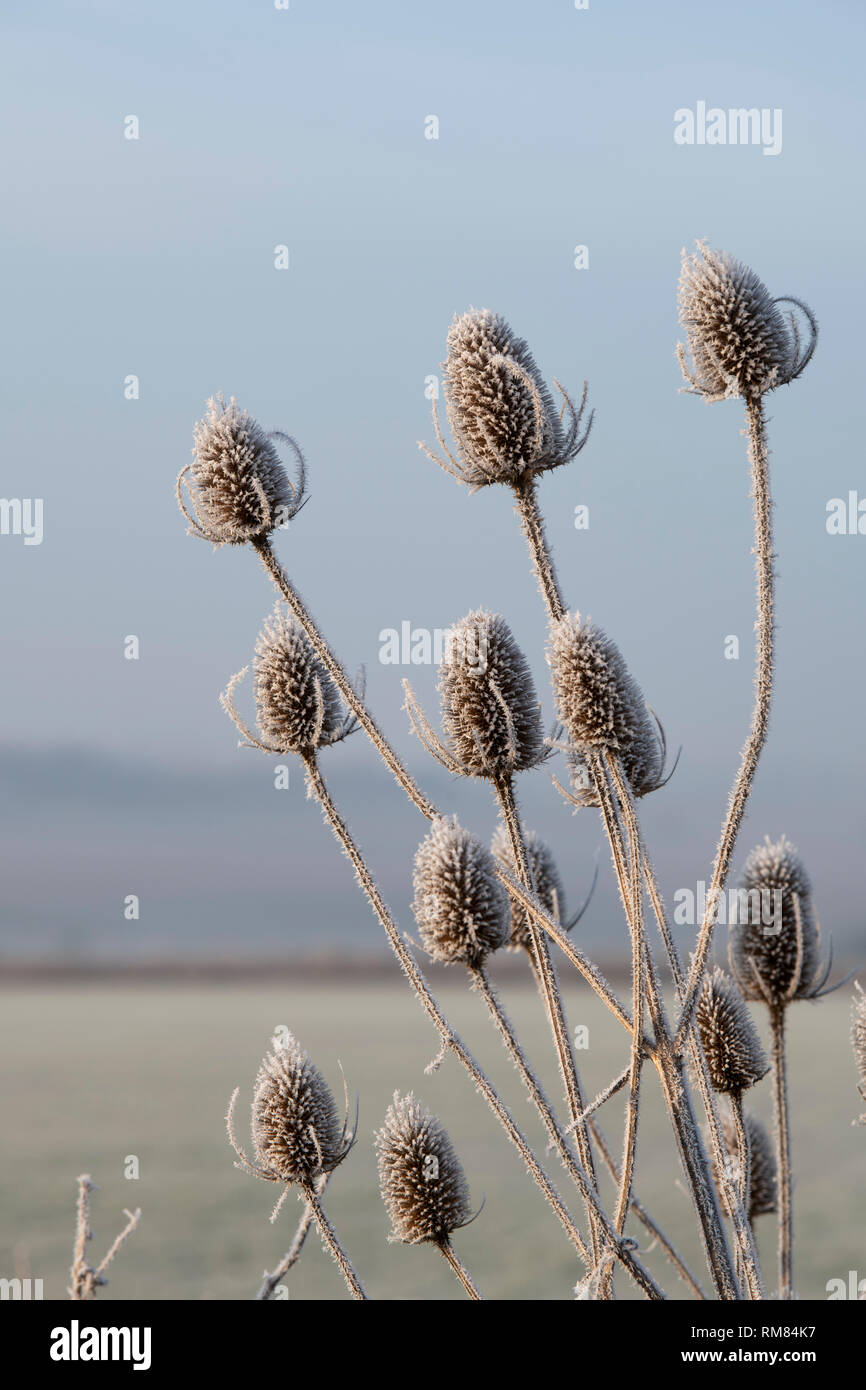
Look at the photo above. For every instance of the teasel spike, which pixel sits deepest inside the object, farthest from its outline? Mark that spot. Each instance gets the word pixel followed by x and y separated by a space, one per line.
pixel 730 1040
pixel 503 419
pixel 460 907
pixel 237 487
pixel 422 1181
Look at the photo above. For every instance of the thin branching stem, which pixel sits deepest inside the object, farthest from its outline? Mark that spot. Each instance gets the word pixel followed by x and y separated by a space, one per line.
pixel 293 1254
pixel 449 1254
pixel 548 986
pixel 778 1058
pixel 764 628
pixel 545 1110
pixel 332 1243
pixel 450 1039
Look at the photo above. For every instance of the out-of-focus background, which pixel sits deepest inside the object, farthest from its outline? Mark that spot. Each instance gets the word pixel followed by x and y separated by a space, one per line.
pixel 135 836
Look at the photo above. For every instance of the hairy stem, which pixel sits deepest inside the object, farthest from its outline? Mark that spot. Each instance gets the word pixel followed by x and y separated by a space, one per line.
pixel 448 1253
pixel 765 585
pixel 545 1110
pixel 422 990
pixel 548 985
pixel 293 1254
pixel 532 524
pixel 778 1058
pixel 329 1238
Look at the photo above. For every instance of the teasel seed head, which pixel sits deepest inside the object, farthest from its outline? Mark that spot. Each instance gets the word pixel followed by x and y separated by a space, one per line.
pixel 420 1176
pixel 548 884
pixel 295 1131
pixel 298 709
pixel 503 418
pixel 741 343
pixel 735 1057
pixel 239 489
pixel 762 1166
pixel 490 712
pixel 776 961
pixel 602 709
pixel 460 908
pixel 858 1039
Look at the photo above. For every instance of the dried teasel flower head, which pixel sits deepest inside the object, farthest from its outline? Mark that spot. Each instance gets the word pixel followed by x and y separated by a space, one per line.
pixel 420 1176
pixel 602 709
pixel 762 1166
pixel 858 1039
pixel 741 343
pixel 460 908
pixel 502 416
pixel 545 875
pixel 490 712
pixel 774 945
pixel 239 489
pixel 295 1131
pixel 735 1057
pixel 298 708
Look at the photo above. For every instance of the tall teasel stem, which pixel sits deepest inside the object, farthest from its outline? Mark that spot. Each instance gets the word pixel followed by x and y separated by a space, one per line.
pixel 744 1151
pixel 450 1039
pixel 293 1254
pixel 532 523
pixel 778 1058
pixel 449 1254
pixel 548 985
pixel 764 657
pixel 543 1106
pixel 332 1243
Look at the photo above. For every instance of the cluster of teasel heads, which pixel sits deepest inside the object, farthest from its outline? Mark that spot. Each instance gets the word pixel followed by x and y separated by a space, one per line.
pixel 470 900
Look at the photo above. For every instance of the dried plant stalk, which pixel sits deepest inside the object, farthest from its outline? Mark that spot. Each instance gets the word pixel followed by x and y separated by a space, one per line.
pixel 85 1280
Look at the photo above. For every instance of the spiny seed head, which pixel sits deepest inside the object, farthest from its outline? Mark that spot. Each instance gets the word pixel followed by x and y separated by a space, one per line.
pixel 735 1057
pixel 461 910
pixel 500 411
pixel 490 712
pixel 774 946
pixel 297 705
pixel 548 884
pixel 420 1176
pixel 741 344
pixel 296 1134
pixel 241 489
pixel 601 707
pixel 762 1165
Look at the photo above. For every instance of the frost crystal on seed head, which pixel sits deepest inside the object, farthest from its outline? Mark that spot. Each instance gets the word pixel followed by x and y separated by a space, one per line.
pixel 500 411
pixel 740 342
pixel 602 708
pixel 240 489
pixel 461 910
pixel 297 704
pixel 774 954
pixel 420 1176
pixel 490 713
pixel 296 1133
pixel 735 1057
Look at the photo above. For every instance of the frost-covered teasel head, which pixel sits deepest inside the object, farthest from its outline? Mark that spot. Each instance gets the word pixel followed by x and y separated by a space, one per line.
pixel 295 1131
pixel 735 1057
pixel 420 1176
pixel 505 424
pixel 741 343
pixel 460 908
pixel 239 490
pixel 602 709
pixel 774 946
pixel 298 709
pixel 491 719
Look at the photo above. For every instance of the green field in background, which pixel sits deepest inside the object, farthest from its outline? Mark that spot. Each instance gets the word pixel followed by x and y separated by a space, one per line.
pixel 92 1075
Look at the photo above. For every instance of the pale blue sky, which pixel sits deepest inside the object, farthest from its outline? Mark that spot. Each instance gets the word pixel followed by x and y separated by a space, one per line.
pixel 261 127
